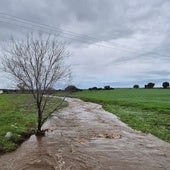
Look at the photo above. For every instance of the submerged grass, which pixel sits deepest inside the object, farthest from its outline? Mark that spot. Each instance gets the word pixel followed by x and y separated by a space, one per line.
pixel 147 110
pixel 18 115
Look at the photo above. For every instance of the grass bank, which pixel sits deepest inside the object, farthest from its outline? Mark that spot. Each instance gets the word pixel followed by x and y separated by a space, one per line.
pixel 18 115
pixel 147 110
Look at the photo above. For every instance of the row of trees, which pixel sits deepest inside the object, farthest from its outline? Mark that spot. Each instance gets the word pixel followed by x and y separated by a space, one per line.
pixel 150 85
pixel 105 88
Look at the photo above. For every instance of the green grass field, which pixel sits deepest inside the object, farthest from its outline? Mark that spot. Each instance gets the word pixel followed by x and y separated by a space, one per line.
pixel 147 110
pixel 18 115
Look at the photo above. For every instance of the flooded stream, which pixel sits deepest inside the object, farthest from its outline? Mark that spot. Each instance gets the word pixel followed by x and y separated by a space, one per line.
pixel 85 137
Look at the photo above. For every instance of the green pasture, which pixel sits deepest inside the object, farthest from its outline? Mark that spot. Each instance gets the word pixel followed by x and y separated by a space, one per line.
pixel 18 115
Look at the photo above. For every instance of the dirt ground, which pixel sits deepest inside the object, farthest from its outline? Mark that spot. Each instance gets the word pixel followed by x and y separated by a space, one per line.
pixel 85 137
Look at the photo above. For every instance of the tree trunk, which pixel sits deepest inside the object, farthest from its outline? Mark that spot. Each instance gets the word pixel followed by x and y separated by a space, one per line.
pixel 39 132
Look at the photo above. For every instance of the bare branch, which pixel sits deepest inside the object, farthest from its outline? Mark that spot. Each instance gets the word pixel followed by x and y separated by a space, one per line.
pixel 59 106
pixel 38 63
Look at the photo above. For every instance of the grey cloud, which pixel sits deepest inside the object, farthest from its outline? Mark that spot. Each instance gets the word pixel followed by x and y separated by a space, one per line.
pixel 137 33
pixel 107 19
pixel 162 73
pixel 115 19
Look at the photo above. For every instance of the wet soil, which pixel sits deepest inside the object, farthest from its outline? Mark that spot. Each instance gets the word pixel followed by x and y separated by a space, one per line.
pixel 85 137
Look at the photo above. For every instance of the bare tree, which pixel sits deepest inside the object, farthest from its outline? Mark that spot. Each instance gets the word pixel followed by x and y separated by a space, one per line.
pixel 38 63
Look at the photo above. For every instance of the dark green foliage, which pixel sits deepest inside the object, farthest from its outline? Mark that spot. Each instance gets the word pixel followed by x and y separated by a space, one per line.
pixel 107 88
pixel 71 89
pixel 150 85
pixel 136 86
pixel 165 85
pixel 93 88
pixel 99 88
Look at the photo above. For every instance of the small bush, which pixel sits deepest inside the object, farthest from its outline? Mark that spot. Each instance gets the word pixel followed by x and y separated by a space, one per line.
pixel 71 89
pixel 93 88
pixel 149 86
pixel 165 85
pixel 107 88
pixel 136 86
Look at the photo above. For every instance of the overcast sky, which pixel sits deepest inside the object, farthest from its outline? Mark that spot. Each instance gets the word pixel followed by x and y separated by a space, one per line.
pixel 113 42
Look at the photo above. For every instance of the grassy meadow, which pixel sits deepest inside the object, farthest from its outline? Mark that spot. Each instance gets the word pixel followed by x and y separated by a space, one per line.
pixel 18 115
pixel 147 110
pixel 15 117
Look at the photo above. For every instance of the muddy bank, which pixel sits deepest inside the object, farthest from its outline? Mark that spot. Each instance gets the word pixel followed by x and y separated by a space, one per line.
pixel 85 137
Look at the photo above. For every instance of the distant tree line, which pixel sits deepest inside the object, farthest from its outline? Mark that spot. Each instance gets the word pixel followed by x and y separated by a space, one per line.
pixel 151 85
pixel 71 88
pixel 104 88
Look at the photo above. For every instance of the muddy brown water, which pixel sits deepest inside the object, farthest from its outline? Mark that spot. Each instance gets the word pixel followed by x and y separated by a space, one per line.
pixel 85 137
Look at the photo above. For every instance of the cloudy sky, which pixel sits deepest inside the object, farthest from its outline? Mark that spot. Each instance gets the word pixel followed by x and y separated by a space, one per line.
pixel 113 42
